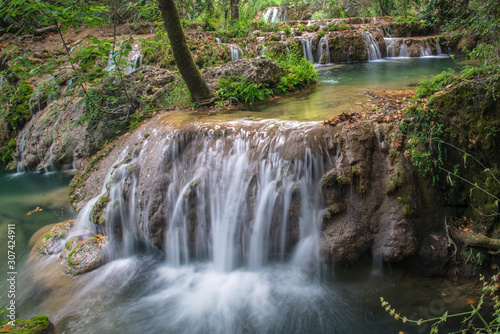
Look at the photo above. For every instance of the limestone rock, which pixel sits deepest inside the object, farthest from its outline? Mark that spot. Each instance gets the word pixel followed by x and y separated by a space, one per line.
pixel 255 70
pixel 52 242
pixel 81 255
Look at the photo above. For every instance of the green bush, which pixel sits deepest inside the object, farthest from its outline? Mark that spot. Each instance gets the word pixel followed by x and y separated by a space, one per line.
pixel 243 90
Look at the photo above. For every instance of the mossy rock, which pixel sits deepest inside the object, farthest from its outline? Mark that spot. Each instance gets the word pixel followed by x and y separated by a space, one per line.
pixel 98 216
pixel 81 255
pixel 336 177
pixel 51 242
pixel 36 325
pixel 335 209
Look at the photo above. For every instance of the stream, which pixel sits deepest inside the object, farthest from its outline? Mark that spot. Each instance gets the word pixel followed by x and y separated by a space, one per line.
pixel 241 278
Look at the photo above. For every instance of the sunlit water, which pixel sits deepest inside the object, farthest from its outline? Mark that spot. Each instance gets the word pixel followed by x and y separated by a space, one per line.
pixel 152 294
pixel 338 90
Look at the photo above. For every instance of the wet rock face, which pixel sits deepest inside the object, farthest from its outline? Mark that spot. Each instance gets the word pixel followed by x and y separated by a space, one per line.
pixel 255 70
pixel 167 178
pixel 361 217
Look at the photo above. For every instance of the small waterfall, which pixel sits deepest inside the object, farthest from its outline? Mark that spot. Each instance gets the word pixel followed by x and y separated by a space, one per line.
pixel 85 220
pixel 218 40
pixel 391 46
pixel 372 47
pixel 307 48
pixel 21 145
pixel 236 52
pixel 133 59
pixel 403 51
pixel 323 51
pixel 49 166
pixel 264 50
pixel 438 48
pixel 274 14
pixel 120 211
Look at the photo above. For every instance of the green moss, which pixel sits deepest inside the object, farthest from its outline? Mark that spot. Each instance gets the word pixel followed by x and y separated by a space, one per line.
pixel 49 236
pixel 408 211
pixel 343 180
pixel 36 325
pixel 404 199
pixel 98 211
pixel 70 261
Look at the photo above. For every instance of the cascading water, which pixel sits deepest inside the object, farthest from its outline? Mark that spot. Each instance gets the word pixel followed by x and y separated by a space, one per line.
pixel 391 46
pixel 324 51
pixel 21 144
pixel 274 14
pixel 133 60
pixel 438 48
pixel 242 210
pixel 236 52
pixel 403 51
pixel 307 49
pixel 265 51
pixel 372 47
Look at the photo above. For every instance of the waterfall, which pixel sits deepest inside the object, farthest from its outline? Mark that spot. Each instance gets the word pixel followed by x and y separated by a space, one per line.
pixel 403 51
pixel 236 196
pixel 274 14
pixel 236 52
pixel 372 47
pixel 218 40
pixel 425 52
pixel 391 46
pixel 21 145
pixel 323 51
pixel 265 51
pixel 307 48
pixel 133 59
pixel 438 48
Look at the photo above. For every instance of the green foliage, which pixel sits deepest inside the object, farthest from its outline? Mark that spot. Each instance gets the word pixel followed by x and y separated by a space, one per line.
pixel 243 90
pixel 319 15
pixel 435 84
pixel 300 72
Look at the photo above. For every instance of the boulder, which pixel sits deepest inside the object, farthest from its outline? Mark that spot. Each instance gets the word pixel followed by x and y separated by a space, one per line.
pixel 256 70
pixel 81 255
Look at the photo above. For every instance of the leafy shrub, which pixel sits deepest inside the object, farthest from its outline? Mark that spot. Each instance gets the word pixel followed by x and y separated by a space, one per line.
pixel 243 90
pixel 300 72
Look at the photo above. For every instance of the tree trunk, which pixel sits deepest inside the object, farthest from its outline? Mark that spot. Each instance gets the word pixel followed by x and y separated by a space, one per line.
pixel 235 10
pixel 190 73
